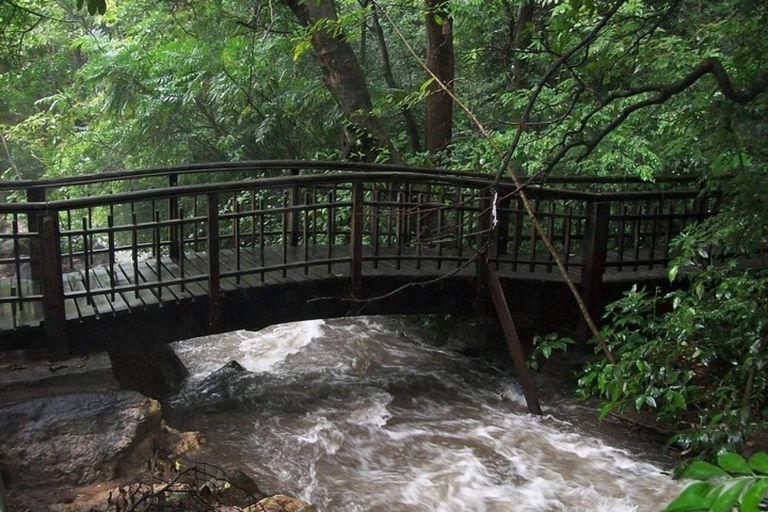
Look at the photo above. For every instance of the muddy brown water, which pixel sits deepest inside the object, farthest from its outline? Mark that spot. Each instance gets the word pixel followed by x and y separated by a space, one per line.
pixel 353 415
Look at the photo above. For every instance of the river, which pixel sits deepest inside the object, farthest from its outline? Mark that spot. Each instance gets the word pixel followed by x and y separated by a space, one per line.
pixel 355 415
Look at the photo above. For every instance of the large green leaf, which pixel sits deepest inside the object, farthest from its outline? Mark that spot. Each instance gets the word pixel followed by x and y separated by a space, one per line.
pixel 759 462
pixel 750 502
pixel 734 463
pixel 700 470
pixel 691 499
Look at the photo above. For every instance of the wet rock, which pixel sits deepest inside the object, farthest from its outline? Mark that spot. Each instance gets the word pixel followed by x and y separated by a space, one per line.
pixel 281 503
pixel 77 439
pixel 218 390
pixel 153 370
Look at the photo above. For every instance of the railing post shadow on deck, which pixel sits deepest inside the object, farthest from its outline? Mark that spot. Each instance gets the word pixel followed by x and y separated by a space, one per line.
pixel 54 314
pixel 214 270
pixel 594 257
pixel 356 243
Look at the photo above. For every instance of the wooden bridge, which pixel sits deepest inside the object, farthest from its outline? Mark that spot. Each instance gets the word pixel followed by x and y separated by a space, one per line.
pixel 167 254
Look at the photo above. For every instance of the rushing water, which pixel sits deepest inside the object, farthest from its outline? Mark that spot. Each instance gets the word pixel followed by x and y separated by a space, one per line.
pixel 351 415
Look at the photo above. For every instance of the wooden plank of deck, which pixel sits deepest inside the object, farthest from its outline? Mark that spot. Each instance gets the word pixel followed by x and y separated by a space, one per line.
pixel 102 278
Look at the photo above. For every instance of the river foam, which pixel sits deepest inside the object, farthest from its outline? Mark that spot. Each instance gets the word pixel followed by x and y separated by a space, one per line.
pixel 354 415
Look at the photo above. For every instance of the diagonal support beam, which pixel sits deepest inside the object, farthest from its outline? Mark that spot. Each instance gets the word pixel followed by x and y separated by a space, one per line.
pixel 513 341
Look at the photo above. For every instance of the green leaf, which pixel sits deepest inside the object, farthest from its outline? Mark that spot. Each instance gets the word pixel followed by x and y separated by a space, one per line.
pixel 754 495
pixel 691 499
pixel 734 463
pixel 759 462
pixel 728 499
pixel 439 19
pixel 701 470
pixel 673 273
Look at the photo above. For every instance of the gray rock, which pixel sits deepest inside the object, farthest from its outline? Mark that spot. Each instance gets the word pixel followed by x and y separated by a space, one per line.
pixel 77 439
pixel 153 370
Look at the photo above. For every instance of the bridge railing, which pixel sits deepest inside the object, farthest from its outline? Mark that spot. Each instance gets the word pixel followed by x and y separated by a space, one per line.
pixel 89 256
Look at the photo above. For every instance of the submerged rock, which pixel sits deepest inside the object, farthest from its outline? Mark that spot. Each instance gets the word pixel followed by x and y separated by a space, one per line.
pixel 77 439
pixel 218 390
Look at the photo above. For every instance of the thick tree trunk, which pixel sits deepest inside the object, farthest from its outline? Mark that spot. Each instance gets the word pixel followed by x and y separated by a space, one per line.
pixel 410 121
pixel 341 71
pixel 440 60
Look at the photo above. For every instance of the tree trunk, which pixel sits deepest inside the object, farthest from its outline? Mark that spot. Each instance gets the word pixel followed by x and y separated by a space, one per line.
pixel 341 71
pixel 440 60
pixel 410 122
pixel 521 42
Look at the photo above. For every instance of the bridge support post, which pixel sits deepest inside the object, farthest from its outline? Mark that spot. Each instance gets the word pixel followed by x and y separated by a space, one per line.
pixel 356 245
pixel 214 270
pixel 513 342
pixel 35 195
pixel 54 314
pixel 594 256
pixel 484 240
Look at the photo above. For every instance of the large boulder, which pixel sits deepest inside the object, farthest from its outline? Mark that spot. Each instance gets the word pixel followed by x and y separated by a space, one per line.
pixel 154 370
pixel 77 439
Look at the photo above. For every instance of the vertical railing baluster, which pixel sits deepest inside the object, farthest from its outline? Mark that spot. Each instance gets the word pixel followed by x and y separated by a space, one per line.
pixel 173 210
pixel 654 226
pixel 262 238
pixel 236 236
pixel 567 225
pixel 214 269
pixel 534 240
pixel 158 250
pixel 356 242
pixel 135 252
pixel 376 197
pixel 551 233
pixel 180 251
pixel 305 233
pixel 518 239
pixel 440 224
pixel 17 267
pixel 331 228
pixel 459 226
pixel 111 249
pixel 86 263
pixel 419 227
pixel 400 227
pixel 285 242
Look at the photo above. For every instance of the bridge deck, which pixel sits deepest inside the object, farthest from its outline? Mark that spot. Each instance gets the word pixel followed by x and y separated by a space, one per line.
pixel 103 303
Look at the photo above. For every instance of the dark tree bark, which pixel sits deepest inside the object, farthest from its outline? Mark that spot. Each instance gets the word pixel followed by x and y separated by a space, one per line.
pixel 341 71
pixel 521 40
pixel 440 61
pixel 410 122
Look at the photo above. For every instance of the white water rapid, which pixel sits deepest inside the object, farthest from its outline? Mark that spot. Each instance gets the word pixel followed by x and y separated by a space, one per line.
pixel 351 415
